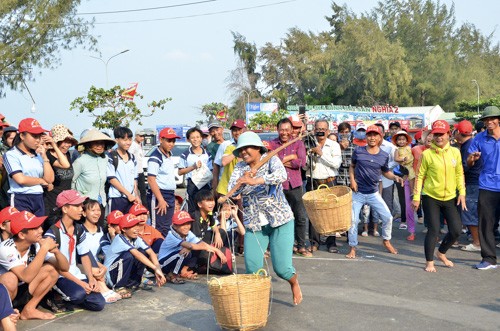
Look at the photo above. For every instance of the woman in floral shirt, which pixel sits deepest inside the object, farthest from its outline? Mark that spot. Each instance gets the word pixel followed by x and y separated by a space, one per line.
pixel 266 214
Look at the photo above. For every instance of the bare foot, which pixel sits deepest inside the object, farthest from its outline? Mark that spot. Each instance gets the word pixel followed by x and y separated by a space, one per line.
pixel 35 314
pixel 444 259
pixel 429 266
pixel 352 253
pixel 296 292
pixel 389 247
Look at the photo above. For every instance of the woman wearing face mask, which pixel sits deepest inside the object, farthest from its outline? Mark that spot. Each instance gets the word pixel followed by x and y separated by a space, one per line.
pixel 60 160
pixel 441 174
pixel 90 169
pixel 28 167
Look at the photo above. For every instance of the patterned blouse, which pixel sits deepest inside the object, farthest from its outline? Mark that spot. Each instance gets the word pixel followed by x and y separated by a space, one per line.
pixel 264 203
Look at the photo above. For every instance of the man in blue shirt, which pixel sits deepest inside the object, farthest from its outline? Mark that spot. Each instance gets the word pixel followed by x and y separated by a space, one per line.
pixel 367 164
pixel 486 146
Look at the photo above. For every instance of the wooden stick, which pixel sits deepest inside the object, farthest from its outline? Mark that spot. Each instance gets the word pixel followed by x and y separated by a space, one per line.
pixel 258 165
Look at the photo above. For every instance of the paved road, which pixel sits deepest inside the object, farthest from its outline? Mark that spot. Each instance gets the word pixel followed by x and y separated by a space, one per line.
pixel 377 291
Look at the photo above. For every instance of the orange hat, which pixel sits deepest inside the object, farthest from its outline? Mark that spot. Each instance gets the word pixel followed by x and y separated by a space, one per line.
pixel 114 217
pixel 169 133
pixel 128 221
pixel 402 133
pixel 440 126
pixel 138 209
pixel 25 220
pixel 181 217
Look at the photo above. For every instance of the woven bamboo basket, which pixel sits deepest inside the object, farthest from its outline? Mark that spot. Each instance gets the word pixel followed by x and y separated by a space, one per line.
pixel 329 209
pixel 241 302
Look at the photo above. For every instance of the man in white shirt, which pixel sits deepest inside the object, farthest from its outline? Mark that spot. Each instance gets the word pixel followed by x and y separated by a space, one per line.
pixel 323 163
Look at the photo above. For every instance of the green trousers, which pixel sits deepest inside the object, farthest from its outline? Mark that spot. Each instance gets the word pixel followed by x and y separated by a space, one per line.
pixel 280 240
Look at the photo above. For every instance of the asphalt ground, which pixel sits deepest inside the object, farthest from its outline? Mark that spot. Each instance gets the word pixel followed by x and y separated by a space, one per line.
pixel 376 291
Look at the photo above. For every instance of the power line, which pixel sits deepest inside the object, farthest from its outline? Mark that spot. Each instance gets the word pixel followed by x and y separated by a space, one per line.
pixel 196 15
pixel 145 9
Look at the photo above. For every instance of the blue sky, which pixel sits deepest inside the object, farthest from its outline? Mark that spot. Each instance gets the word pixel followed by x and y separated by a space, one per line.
pixel 187 59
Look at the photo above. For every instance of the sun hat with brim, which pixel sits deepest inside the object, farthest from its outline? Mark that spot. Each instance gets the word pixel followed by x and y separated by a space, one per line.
pixel 94 135
pixel 61 133
pixel 401 133
pixel 31 125
pixel 25 220
pixel 490 111
pixel 246 139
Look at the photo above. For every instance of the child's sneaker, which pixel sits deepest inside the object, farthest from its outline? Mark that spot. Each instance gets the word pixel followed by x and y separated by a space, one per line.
pixel 485 266
pixel 364 234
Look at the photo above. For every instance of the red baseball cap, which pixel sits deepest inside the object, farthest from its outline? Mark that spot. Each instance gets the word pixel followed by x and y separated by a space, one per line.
pixel 25 220
pixel 6 213
pixel 440 126
pixel 465 127
pixel 128 221
pixel 138 209
pixel 181 217
pixel 31 125
pixel 169 133
pixel 114 217
pixel 418 135
pixel 240 124
pixel 373 128
pixel 69 197
pixel 179 199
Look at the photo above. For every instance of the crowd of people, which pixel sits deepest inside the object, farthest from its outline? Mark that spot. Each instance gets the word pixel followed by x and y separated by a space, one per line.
pixel 79 227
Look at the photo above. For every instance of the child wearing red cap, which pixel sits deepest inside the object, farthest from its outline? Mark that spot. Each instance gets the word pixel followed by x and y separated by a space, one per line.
pixel 127 258
pixel 22 264
pixel 5 219
pixel 28 167
pixel 176 250
pixel 150 235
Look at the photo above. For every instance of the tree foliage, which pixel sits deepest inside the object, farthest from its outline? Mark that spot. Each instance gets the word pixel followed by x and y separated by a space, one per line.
pixel 110 110
pixel 32 35
pixel 402 52
pixel 263 121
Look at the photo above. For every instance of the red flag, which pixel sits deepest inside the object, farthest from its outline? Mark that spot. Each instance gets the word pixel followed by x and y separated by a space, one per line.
pixel 130 92
pixel 221 115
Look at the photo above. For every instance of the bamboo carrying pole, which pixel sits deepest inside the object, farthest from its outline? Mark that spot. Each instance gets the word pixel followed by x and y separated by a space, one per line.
pixel 258 165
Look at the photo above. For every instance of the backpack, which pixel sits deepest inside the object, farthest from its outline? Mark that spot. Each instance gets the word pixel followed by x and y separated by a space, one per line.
pixel 57 233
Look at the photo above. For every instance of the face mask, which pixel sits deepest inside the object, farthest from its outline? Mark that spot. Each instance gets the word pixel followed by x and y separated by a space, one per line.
pixel 204 142
pixel 360 135
pixel 344 136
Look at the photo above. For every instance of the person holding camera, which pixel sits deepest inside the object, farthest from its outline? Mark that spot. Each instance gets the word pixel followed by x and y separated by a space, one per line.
pixel 322 167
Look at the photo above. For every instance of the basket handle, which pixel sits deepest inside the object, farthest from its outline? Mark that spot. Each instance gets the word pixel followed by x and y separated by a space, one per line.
pixel 336 197
pixel 262 272
pixel 321 186
pixel 217 280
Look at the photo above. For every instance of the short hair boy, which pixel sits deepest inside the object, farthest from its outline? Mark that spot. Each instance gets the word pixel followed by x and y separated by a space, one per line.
pixel 75 287
pixel 22 264
pixel 150 235
pixel 127 257
pixel 176 250
pixel 5 219
pixel 122 173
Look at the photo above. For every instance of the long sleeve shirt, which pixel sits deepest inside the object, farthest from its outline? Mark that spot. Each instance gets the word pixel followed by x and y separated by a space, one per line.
pixel 442 172
pixel 294 177
pixel 265 203
pixel 90 173
pixel 328 163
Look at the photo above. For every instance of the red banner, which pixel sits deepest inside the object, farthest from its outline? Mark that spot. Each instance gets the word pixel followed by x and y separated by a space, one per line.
pixel 129 93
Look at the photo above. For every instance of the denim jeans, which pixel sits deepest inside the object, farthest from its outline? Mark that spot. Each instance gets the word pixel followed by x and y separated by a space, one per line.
pixel 375 201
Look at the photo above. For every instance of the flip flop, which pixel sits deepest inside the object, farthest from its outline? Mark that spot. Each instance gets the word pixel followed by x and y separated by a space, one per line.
pixel 304 253
pixel 124 292
pixel 110 297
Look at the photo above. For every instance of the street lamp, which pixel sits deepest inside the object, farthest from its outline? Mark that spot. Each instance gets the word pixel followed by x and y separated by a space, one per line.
pixel 477 85
pixel 106 62
pixel 248 100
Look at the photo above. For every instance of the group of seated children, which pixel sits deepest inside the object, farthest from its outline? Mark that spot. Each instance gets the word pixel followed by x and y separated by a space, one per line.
pixel 78 263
